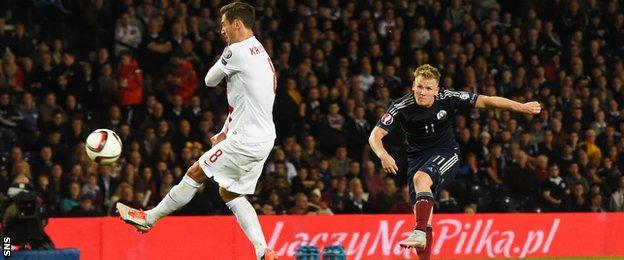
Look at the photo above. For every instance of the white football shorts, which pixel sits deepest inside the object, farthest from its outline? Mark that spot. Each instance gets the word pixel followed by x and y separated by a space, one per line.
pixel 236 166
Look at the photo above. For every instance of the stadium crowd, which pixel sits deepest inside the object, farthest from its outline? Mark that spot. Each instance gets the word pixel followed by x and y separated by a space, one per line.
pixel 137 67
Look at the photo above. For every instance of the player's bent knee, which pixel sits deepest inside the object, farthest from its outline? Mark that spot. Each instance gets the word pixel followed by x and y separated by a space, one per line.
pixel 422 179
pixel 196 173
pixel 227 195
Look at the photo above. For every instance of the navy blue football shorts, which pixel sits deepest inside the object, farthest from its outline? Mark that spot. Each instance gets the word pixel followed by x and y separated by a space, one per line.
pixel 440 164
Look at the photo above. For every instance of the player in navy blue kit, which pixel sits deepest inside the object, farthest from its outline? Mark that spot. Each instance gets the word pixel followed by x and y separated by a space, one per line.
pixel 425 117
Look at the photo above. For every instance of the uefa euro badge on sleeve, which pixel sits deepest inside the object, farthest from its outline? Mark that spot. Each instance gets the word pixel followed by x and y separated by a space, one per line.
pixel 227 53
pixel 387 119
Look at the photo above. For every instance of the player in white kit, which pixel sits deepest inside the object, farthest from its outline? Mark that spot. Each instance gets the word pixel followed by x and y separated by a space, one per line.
pixel 239 151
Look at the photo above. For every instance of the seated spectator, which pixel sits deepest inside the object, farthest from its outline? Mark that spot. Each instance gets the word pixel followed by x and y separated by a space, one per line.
pixel 183 79
pixel 593 151
pixel 130 78
pixel 617 198
pixel 358 201
pixel 50 199
pixel 340 197
pixel 339 164
pixel 521 181
pixel 127 35
pixel 301 206
pixel 125 195
pixel 403 206
pixel 579 199
pixel 320 205
pixel 470 208
pixel 301 183
pixel 541 168
pixel 267 209
pixel 85 208
pixel 373 177
pixel 276 202
pixel 574 176
pixel 596 203
pixel 446 203
pixel 385 200
pixel 553 190
pixel 72 200
pixel 91 188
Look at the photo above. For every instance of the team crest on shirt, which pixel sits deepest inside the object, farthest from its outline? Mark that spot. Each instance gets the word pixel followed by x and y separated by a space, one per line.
pixel 441 114
pixel 387 119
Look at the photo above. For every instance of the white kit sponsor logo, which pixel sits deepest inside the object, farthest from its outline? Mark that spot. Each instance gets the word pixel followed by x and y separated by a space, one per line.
pixel 469 238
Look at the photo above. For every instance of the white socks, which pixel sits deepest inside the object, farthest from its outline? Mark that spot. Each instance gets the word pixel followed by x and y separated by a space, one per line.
pixel 177 197
pixel 248 220
pixel 182 193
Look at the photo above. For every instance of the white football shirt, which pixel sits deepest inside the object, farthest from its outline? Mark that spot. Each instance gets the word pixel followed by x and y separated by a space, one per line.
pixel 251 84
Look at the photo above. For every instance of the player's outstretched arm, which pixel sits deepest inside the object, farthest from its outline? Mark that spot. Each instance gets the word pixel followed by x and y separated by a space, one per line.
pixel 484 101
pixel 214 76
pixel 387 162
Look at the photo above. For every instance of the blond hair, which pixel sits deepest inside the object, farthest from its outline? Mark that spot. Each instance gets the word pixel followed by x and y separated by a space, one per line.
pixel 427 71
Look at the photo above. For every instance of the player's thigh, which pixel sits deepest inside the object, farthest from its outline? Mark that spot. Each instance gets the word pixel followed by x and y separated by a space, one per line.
pixel 446 178
pixel 250 159
pixel 437 165
pixel 234 166
pixel 196 173
pixel 218 161
pixel 248 179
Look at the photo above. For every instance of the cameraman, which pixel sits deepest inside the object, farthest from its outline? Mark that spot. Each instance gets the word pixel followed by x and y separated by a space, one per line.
pixel 23 218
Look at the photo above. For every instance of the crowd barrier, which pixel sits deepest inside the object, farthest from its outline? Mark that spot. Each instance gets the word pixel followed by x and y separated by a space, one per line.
pixel 363 236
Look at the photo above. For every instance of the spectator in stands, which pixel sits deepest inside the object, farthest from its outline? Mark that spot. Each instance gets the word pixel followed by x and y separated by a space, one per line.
pixel 127 35
pixel 596 203
pixel 72 200
pixel 617 198
pixel 301 205
pixel 447 204
pixel 554 190
pixel 385 200
pixel 85 208
pixel 182 79
pixel 130 79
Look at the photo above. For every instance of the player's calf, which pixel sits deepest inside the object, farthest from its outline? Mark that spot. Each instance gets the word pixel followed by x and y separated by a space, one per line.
pixel 179 195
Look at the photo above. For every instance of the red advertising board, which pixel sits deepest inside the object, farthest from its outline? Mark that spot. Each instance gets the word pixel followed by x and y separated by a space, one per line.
pixel 363 236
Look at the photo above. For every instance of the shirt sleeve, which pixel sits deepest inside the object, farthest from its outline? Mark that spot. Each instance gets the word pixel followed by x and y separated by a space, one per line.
pixel 230 61
pixel 390 119
pixel 460 99
pixel 214 75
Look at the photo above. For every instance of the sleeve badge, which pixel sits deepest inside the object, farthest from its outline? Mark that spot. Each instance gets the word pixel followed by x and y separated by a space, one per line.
pixel 387 119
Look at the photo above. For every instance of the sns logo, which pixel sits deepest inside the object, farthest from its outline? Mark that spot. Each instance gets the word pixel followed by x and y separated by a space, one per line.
pixel 6 246
pixel 387 119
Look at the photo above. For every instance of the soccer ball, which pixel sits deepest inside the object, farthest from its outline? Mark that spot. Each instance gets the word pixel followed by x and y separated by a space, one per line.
pixel 103 146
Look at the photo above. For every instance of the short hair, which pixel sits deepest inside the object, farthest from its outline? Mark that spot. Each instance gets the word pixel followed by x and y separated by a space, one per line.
pixel 427 71
pixel 242 11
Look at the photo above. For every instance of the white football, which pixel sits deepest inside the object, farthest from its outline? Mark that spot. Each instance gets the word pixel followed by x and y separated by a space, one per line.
pixel 103 146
